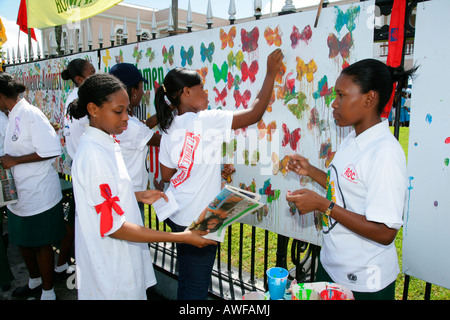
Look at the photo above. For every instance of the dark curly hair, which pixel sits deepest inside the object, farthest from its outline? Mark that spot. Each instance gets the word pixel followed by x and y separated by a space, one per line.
pixel 96 89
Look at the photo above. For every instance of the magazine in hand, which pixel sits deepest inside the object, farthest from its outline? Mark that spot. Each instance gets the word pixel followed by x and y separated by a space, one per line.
pixel 228 207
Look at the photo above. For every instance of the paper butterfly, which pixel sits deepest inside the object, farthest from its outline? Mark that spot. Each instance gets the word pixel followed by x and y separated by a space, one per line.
pixel 250 39
pixel 150 54
pixel 296 36
pixel 267 190
pixel 106 58
pixel 186 56
pixel 168 55
pixel 323 91
pixel 306 69
pixel 279 166
pixel 227 39
pixel 229 148
pixel 348 18
pixel 242 98
pixel 291 138
pixel 233 81
pixel 137 54
pixel 221 96
pixel 249 72
pixel 207 53
pixel 263 129
pixel 273 36
pixel 235 60
pixel 337 46
pixel 220 74
pixel 254 160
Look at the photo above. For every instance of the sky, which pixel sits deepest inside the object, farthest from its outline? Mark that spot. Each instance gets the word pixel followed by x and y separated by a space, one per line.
pixel 244 8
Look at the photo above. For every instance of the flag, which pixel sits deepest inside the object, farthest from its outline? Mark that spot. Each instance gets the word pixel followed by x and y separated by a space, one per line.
pixel 3 37
pixel 49 13
pixel 22 19
pixel 396 39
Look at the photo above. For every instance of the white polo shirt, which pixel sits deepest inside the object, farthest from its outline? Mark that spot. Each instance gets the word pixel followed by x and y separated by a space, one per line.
pixel 193 146
pixel 37 183
pixel 73 128
pixel 133 143
pixel 368 177
pixel 107 268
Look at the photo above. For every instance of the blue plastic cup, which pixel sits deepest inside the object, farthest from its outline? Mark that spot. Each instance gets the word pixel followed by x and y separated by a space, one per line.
pixel 277 279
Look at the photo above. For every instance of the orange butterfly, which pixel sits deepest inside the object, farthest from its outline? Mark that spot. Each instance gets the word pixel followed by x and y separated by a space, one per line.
pixel 273 36
pixel 203 72
pixel 228 39
pixel 263 129
pixel 279 166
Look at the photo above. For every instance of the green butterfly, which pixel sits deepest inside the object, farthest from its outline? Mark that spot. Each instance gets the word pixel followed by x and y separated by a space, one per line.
pixel 150 55
pixel 220 74
pixel 235 60
pixel 229 148
pixel 168 55
pixel 254 160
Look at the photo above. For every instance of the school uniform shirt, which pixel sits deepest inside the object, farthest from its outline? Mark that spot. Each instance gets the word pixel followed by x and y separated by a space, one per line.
pixel 73 128
pixel 107 268
pixel 193 146
pixel 367 176
pixel 37 183
pixel 133 144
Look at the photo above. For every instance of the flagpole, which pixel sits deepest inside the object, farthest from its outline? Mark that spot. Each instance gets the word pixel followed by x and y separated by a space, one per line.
pixel 29 46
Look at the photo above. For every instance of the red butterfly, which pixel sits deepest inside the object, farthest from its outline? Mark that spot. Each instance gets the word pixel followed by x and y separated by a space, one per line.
pixel 233 81
pixel 337 46
pixel 242 98
pixel 291 137
pixel 304 36
pixel 249 72
pixel 221 96
pixel 250 39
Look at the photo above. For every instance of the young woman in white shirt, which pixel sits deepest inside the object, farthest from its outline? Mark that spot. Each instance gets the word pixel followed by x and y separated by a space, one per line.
pixel 111 250
pixel 36 221
pixel 365 184
pixel 190 158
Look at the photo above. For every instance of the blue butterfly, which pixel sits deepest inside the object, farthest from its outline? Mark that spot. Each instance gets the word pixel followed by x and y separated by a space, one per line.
pixel 186 56
pixel 207 53
pixel 348 18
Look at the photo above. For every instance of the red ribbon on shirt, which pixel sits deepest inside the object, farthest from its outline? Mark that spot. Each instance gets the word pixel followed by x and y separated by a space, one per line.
pixel 105 208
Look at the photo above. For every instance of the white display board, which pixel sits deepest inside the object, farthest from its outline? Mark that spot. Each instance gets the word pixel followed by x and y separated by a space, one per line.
pixel 427 209
pixel 232 60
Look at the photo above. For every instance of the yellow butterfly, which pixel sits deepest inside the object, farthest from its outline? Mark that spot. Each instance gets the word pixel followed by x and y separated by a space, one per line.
pixel 235 60
pixel 106 58
pixel 306 69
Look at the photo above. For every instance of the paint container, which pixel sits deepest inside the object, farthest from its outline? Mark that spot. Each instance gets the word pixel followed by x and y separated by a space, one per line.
pixel 333 294
pixel 8 192
pixel 277 279
pixel 305 294
pixel 253 295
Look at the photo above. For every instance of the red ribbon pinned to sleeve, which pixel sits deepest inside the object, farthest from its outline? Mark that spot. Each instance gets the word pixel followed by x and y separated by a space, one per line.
pixel 105 208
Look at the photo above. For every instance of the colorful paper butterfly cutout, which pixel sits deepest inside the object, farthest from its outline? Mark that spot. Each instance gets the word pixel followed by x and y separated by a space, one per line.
pixel 150 54
pixel 348 18
pixel 253 161
pixel 273 36
pixel 337 46
pixel 220 74
pixel 279 166
pixel 207 53
pixel 249 72
pixel 250 39
pixel 227 38
pixel 266 129
pixel 242 98
pixel 296 36
pixel 323 91
pixel 106 58
pixel 186 56
pixel 291 138
pixel 168 55
pixel 229 148
pixel 306 69
pixel 221 96
pixel 233 81
pixel 235 60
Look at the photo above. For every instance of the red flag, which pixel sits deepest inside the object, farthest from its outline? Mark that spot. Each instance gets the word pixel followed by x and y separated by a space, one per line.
pixel 22 19
pixel 395 46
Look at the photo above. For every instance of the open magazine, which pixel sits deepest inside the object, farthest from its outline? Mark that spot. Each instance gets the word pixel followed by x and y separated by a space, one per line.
pixel 228 207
